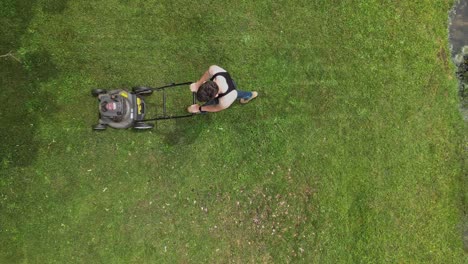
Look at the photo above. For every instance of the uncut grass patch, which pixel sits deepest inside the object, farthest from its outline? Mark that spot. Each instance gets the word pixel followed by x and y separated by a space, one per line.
pixel 351 153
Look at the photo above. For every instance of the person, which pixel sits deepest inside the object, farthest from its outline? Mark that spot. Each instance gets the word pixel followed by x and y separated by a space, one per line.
pixel 218 91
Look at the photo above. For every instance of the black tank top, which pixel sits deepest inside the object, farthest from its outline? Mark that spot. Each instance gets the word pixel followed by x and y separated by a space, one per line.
pixel 230 83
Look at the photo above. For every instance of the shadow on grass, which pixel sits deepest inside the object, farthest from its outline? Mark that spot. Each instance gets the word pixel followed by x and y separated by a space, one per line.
pixel 55 6
pixel 24 104
pixel 185 131
pixel 15 16
pixel 21 99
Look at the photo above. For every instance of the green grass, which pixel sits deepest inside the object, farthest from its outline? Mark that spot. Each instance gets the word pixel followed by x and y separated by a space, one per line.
pixel 353 152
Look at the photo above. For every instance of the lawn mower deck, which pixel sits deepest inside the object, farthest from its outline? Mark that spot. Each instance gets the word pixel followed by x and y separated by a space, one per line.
pixel 123 109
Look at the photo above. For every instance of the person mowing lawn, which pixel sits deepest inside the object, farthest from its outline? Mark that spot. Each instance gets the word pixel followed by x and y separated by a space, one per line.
pixel 217 89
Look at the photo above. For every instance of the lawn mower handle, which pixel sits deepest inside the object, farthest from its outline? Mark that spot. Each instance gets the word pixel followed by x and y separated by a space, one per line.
pixel 171 85
pixel 194 94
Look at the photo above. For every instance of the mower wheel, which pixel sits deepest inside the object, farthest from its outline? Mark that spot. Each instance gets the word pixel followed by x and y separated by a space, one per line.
pixel 142 90
pixel 99 127
pixel 142 126
pixel 97 92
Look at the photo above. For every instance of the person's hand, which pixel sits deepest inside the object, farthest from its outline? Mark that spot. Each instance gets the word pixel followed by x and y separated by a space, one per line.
pixel 195 108
pixel 194 87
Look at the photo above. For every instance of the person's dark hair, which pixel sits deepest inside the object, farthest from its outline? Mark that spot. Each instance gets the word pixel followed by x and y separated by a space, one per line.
pixel 207 91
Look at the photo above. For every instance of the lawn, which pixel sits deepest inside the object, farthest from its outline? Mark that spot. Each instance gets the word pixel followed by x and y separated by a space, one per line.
pixel 352 153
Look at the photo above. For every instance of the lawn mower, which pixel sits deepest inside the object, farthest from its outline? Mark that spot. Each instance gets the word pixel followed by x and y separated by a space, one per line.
pixel 121 108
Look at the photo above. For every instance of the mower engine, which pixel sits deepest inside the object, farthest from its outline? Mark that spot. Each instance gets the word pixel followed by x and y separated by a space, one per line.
pixel 119 109
pixel 113 107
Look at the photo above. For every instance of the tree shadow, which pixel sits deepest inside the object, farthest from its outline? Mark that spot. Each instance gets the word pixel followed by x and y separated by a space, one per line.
pixel 24 103
pixel 55 6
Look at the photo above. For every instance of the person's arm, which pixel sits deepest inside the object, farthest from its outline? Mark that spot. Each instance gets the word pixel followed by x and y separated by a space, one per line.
pixel 196 109
pixel 224 103
pixel 211 108
pixel 212 70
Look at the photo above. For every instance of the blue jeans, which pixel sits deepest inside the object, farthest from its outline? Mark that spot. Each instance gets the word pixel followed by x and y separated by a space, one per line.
pixel 243 94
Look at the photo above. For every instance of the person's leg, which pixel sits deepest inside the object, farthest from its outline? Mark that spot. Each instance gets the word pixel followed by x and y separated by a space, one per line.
pixel 242 94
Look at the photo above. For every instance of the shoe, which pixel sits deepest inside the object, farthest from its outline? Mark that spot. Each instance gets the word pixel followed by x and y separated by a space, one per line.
pixel 244 101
